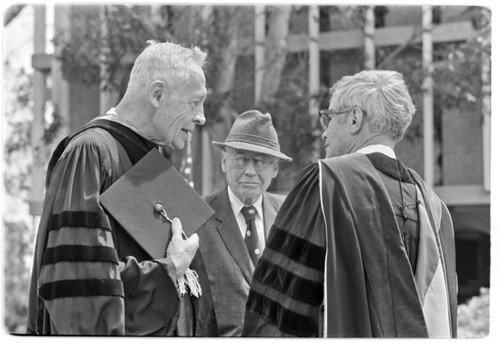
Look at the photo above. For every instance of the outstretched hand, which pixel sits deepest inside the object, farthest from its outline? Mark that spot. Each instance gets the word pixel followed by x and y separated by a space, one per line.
pixel 181 251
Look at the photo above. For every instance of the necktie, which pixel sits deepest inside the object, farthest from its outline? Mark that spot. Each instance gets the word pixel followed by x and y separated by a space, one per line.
pixel 251 236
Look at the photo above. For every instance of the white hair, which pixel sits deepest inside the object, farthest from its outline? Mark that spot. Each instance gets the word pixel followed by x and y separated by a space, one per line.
pixel 382 95
pixel 166 61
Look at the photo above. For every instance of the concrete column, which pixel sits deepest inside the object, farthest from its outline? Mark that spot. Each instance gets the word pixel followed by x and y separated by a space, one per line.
pixel 60 87
pixel 428 98
pixel 314 73
pixel 38 124
pixel 314 58
pixel 104 94
pixel 369 41
pixel 260 52
pixel 486 109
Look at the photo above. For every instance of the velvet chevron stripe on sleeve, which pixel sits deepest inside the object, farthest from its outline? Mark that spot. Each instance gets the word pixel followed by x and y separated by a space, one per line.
pixel 287 286
pixel 78 219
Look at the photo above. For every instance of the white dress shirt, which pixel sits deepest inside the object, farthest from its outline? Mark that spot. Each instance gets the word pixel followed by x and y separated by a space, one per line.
pixel 237 205
pixel 383 149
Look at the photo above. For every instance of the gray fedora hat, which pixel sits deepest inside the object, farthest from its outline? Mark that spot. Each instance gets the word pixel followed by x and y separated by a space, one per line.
pixel 254 131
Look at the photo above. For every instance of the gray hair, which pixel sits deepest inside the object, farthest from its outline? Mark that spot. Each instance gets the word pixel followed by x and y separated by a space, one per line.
pixel 167 61
pixel 382 94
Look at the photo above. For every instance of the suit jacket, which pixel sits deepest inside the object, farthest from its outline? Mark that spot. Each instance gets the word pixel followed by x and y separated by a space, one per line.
pixel 227 260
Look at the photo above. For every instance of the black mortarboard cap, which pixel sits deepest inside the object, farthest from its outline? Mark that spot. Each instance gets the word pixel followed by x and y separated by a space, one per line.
pixel 151 182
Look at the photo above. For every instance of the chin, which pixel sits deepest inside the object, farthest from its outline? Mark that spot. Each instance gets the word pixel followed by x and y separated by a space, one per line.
pixel 178 144
pixel 331 153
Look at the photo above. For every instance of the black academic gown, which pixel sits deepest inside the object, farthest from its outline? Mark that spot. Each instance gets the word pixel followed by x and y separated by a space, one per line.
pixel 335 264
pixel 92 278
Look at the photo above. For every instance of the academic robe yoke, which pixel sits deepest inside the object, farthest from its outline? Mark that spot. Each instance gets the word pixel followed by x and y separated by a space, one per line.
pixel 335 265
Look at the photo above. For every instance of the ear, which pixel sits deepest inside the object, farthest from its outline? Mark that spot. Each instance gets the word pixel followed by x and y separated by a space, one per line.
pixel 275 172
pixel 223 160
pixel 157 90
pixel 356 120
pixel 275 168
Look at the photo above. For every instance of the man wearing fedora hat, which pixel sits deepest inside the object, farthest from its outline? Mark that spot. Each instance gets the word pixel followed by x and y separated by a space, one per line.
pixel 233 241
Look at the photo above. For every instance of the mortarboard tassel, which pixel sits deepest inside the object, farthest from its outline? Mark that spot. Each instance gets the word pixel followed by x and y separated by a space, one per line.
pixel 189 279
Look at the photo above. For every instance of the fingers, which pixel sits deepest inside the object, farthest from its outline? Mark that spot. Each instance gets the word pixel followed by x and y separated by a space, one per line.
pixel 176 228
pixel 178 234
pixel 194 240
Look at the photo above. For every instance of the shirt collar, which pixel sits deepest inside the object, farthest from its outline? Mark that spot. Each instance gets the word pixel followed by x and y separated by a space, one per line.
pixel 383 149
pixel 237 205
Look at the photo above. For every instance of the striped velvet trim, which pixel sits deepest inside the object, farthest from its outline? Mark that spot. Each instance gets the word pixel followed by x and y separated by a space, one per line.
pixel 275 257
pixel 81 288
pixel 80 236
pixel 285 320
pixel 292 285
pixel 297 249
pixel 78 219
pixel 79 253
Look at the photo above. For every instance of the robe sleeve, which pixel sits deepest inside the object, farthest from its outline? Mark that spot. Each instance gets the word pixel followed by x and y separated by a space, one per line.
pixel 287 288
pixel 86 289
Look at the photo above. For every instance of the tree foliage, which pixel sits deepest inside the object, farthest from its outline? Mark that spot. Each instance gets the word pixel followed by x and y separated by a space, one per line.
pixel 18 117
pixel 458 68
pixel 17 256
pixel 106 36
pixel 473 316
pixel 18 235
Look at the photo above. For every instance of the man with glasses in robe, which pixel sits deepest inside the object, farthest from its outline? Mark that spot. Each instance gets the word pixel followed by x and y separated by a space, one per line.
pixel 362 246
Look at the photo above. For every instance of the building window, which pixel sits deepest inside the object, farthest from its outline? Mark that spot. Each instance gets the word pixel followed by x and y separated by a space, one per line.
pixel 436 15
pixel 380 13
pixel 472 262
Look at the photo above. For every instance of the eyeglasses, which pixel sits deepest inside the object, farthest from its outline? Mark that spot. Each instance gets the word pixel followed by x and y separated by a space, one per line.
pixel 241 161
pixel 326 115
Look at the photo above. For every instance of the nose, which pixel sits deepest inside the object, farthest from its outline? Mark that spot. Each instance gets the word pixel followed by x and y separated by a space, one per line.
pixel 199 119
pixel 323 135
pixel 250 169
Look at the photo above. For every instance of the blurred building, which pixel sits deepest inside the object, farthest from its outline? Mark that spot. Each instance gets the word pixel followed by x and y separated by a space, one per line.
pixel 456 160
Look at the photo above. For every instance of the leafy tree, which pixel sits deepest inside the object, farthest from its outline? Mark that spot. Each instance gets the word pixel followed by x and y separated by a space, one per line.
pixel 458 67
pixel 18 117
pixel 18 251
pixel 18 236
pixel 473 316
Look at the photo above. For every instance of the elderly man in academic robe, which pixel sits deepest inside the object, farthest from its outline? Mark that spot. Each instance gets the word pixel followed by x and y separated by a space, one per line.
pixel 361 247
pixel 90 276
